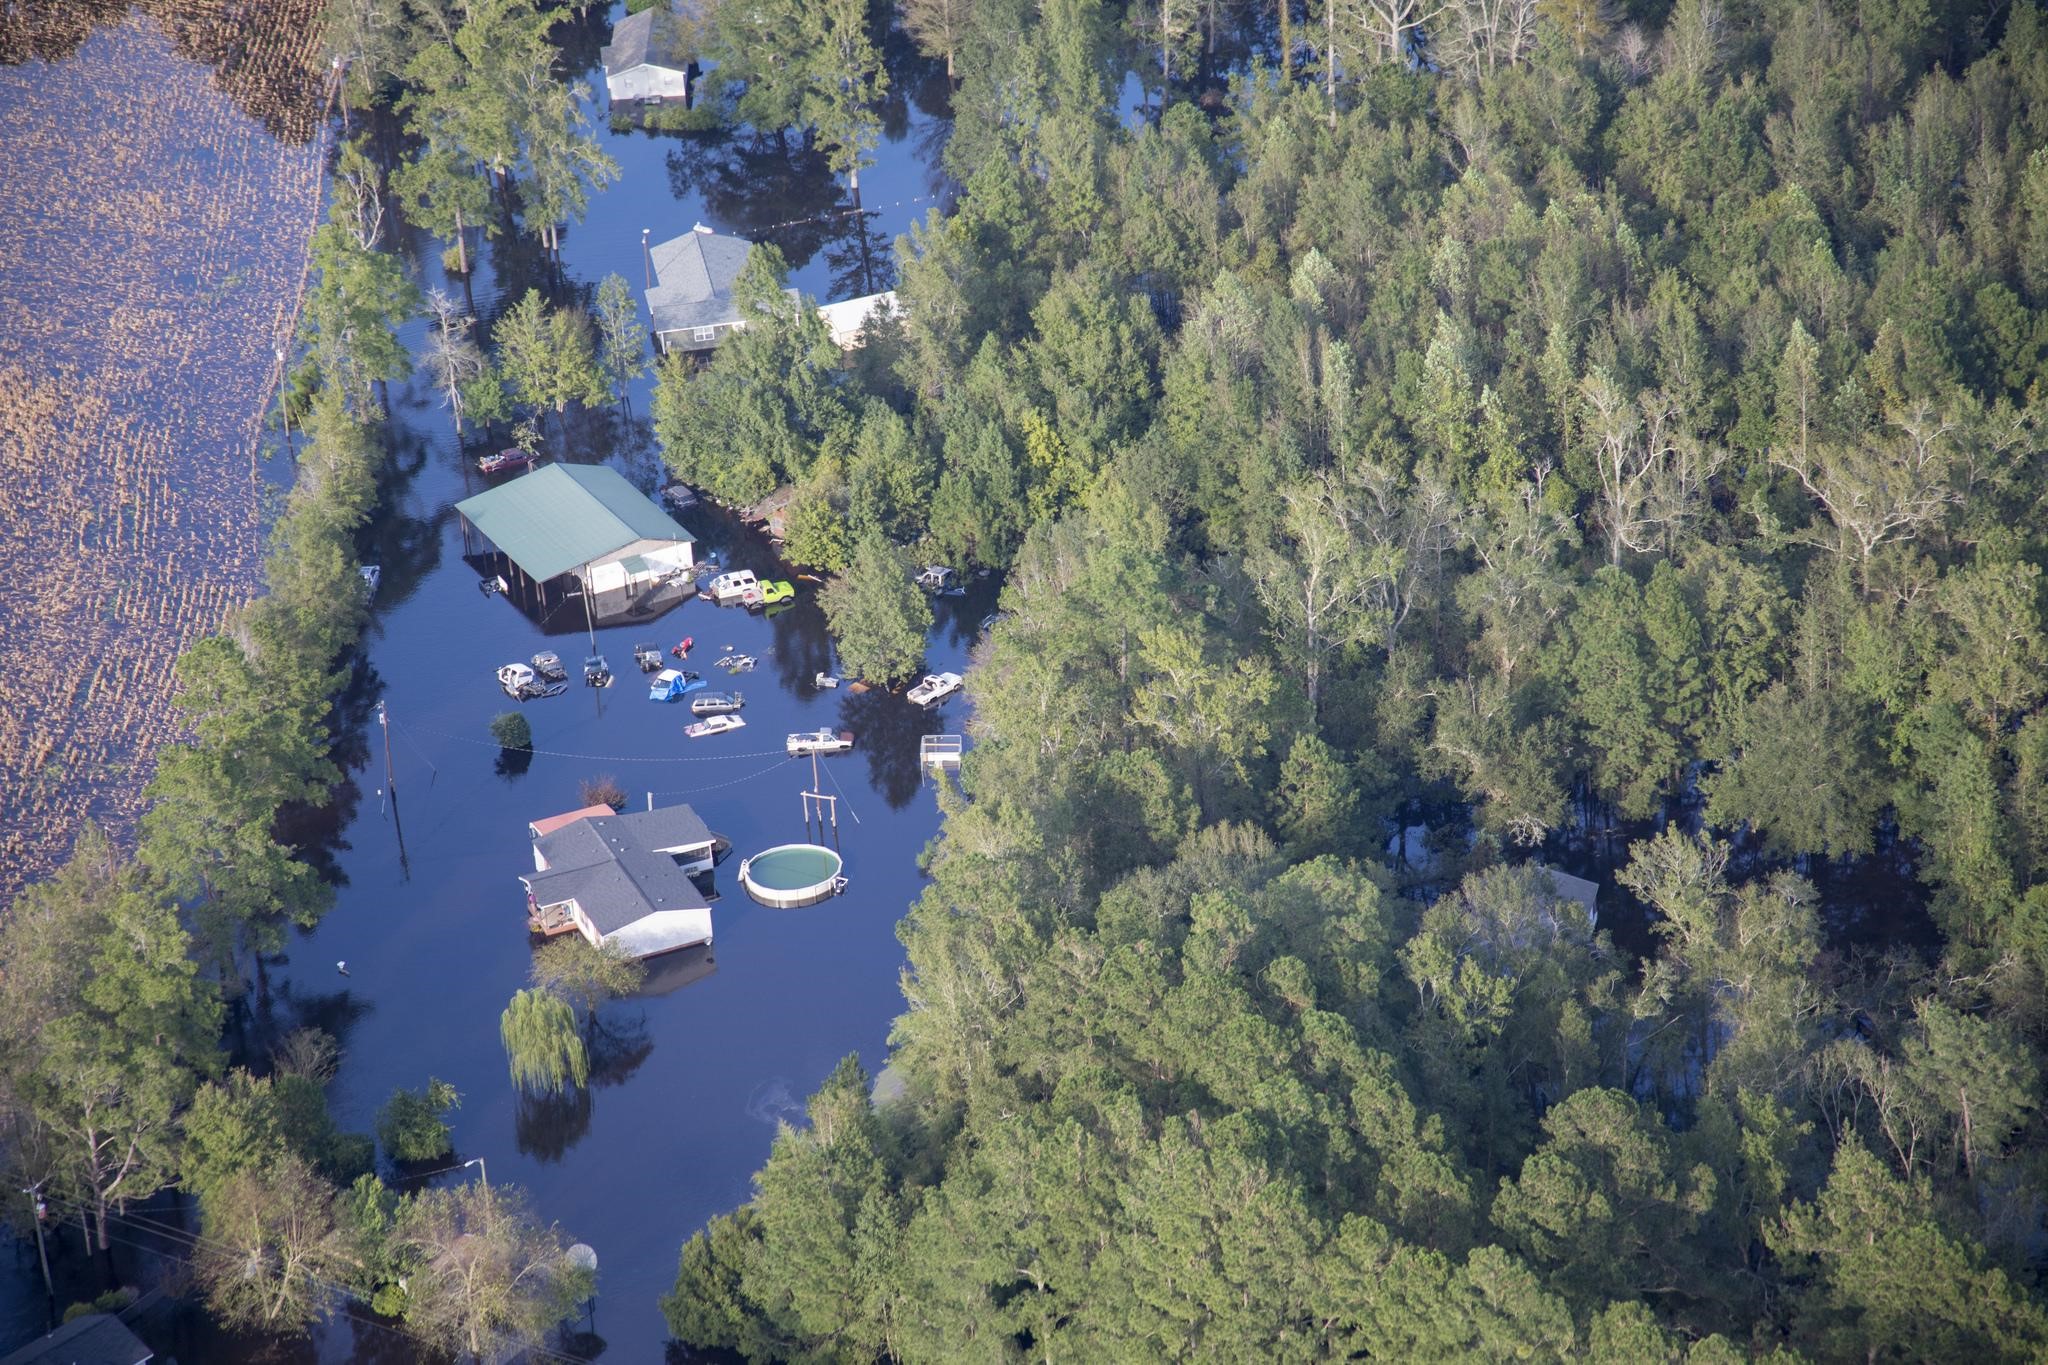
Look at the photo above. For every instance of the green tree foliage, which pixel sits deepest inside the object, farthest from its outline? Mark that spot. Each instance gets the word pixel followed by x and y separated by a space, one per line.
pixel 583 975
pixel 757 415
pixel 109 1028
pixel 622 340
pixel 1876 1272
pixel 413 1124
pixel 878 615
pixel 543 1043
pixel 511 730
pixel 548 355
pixel 273 1247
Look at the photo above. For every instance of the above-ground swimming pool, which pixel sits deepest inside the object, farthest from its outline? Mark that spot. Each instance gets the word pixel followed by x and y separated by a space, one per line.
pixel 790 875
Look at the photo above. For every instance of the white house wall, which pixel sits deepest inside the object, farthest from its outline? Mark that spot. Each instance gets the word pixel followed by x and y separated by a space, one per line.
pixel 648 83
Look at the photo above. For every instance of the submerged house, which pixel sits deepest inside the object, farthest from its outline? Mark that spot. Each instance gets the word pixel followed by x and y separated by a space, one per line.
pixel 567 530
pixel 647 60
pixel 622 879
pixel 691 302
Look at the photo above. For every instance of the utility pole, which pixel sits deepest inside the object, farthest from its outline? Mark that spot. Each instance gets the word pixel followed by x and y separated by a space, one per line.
pixel 384 724
pixel 42 1211
pixel 646 261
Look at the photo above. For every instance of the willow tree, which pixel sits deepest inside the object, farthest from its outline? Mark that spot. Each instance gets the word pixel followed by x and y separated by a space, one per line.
pixel 543 1042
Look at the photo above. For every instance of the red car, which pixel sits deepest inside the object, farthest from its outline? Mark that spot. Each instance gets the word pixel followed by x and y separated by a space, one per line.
pixel 504 460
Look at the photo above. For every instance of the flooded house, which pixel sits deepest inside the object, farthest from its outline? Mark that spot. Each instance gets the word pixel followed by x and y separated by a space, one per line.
pixel 622 880
pixel 649 60
pixel 565 531
pixel 691 301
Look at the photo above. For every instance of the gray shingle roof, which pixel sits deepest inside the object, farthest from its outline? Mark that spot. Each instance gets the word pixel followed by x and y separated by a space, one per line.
pixel 607 865
pixel 562 516
pixel 636 43
pixel 694 274
pixel 95 1339
pixel 668 827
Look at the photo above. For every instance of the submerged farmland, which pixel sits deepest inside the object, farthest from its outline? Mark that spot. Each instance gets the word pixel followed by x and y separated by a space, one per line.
pixel 163 176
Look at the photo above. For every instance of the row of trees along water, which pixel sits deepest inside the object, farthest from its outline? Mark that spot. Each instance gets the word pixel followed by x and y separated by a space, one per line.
pixel 1485 407
pixel 130 1057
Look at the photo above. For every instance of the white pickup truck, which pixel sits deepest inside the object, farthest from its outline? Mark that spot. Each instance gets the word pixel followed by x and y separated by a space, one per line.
pixel 738 586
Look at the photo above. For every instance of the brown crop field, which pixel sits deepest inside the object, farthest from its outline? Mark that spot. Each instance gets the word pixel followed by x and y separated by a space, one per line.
pixel 161 178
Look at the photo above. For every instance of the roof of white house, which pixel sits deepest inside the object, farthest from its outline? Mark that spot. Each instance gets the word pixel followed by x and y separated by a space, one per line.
pixel 694 275
pixel 637 42
pixel 611 867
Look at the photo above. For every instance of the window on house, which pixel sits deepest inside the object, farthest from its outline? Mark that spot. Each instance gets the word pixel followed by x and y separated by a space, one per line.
pixel 705 333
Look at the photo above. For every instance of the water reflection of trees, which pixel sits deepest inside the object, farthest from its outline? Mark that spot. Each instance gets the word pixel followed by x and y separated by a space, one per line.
pixel 888 729
pixel 545 1127
pixel 860 255
pixel 767 187
pixel 803 646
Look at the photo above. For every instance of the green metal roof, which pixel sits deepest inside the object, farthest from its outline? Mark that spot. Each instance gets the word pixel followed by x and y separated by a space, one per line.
pixel 562 516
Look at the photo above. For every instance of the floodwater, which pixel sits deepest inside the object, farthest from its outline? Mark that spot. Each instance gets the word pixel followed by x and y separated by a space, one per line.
pixel 694 1075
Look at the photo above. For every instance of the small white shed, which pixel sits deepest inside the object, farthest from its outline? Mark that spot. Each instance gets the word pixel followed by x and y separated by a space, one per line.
pixel 646 61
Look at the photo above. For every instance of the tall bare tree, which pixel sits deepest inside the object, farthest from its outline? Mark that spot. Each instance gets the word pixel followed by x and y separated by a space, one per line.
pixel 1878 489
pixel 1653 477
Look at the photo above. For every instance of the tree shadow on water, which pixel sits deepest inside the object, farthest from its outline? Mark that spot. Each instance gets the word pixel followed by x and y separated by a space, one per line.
pixel 887 730
pixel 767 187
pixel 545 1127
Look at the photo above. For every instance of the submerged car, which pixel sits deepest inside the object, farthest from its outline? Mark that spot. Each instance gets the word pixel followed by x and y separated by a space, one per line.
pixel 777 591
pixel 713 725
pixel 673 683
pixel 821 742
pixel 934 687
pixel 716 703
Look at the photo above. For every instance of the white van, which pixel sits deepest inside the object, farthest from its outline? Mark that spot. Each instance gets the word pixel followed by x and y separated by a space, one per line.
pixel 734 586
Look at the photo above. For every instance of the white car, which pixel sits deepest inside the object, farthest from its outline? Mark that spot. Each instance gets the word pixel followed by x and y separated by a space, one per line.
pixel 737 586
pixel 821 742
pixel 934 687
pixel 714 725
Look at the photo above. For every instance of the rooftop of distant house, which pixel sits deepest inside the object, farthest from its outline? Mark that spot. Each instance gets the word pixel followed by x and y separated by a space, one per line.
pixel 638 40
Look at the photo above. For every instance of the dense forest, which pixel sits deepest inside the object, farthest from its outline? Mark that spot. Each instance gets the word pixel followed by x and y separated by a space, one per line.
pixel 1585 433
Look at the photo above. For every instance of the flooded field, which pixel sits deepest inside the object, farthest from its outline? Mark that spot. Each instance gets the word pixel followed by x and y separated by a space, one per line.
pixel 162 174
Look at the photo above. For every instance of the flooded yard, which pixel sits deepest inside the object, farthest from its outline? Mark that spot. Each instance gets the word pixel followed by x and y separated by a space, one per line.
pixel 691 1077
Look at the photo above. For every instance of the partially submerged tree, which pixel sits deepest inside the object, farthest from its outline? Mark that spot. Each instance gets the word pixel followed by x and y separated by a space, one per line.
pixel 585 976
pixel 543 1043
pixel 481 1272
pixel 413 1124
pixel 878 615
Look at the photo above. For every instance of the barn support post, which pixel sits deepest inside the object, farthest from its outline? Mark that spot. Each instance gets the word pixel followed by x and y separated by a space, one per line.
pixel 589 619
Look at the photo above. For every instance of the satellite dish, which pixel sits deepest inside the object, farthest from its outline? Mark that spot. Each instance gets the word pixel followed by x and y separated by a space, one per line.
pixel 583 1257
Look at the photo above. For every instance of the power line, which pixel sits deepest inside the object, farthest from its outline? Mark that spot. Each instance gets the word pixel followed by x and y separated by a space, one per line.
pixel 734 783
pixel 607 758
pixel 842 793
